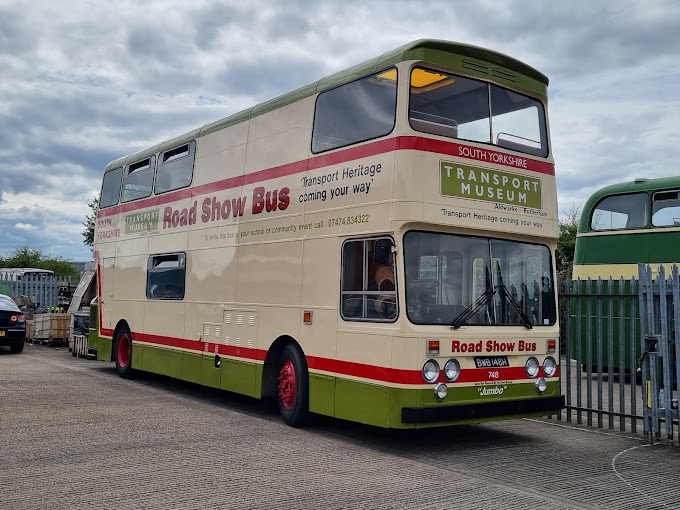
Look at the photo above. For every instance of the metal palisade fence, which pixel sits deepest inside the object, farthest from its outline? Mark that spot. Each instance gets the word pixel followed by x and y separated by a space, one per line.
pixel 620 348
pixel 43 291
pixel 660 327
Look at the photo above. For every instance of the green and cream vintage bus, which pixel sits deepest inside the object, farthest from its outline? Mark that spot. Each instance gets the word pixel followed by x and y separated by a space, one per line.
pixel 622 226
pixel 376 246
pixel 626 224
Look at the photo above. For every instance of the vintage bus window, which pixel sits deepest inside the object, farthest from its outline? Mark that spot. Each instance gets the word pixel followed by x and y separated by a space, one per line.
pixel 368 290
pixel 666 209
pixel 452 267
pixel 459 107
pixel 138 180
pixel 165 276
pixel 498 282
pixel 523 283
pixel 358 111
pixel 620 211
pixel 175 168
pixel 111 188
pixel 517 122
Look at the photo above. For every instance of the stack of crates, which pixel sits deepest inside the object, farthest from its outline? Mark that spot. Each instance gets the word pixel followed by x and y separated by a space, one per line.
pixel 51 328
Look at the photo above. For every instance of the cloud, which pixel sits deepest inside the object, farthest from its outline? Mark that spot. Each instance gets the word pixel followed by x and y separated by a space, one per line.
pixel 76 93
pixel 25 226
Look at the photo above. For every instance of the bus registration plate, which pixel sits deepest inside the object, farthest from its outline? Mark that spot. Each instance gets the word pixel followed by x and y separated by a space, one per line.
pixel 492 362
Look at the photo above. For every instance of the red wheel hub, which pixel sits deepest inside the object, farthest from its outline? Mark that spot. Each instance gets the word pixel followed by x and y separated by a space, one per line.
pixel 287 384
pixel 124 349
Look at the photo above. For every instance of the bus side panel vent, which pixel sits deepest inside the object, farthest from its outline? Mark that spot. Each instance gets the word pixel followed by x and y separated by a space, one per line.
pixel 504 75
pixel 475 66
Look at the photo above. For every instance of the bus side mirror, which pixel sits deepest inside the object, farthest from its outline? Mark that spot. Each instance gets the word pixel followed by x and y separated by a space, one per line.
pixel 382 250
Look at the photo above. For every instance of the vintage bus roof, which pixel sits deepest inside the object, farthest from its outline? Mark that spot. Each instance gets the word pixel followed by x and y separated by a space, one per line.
pixel 23 270
pixel 640 184
pixel 445 53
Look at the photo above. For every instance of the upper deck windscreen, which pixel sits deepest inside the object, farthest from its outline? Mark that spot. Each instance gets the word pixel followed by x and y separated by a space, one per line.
pixel 459 107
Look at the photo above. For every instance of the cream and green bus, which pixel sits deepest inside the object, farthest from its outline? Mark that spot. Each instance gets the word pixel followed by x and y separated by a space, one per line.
pixel 376 246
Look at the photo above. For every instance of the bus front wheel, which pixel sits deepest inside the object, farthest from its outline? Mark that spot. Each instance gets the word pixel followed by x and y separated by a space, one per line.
pixel 122 349
pixel 292 392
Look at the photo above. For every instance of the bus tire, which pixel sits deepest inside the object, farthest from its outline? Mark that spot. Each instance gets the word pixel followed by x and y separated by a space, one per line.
pixel 292 391
pixel 122 352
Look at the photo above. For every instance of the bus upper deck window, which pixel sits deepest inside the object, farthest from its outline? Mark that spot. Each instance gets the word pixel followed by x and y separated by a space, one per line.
pixel 460 107
pixel 138 180
pixel 111 187
pixel 175 168
pixel 355 112
pixel 620 211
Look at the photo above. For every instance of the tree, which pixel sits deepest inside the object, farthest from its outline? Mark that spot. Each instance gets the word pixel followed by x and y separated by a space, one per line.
pixel 90 219
pixel 27 257
pixel 564 254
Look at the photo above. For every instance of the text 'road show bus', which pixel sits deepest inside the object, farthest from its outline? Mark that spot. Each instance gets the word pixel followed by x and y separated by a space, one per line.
pixel 376 246
pixel 621 226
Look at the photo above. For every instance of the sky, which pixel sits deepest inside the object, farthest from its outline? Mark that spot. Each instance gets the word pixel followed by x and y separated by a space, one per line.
pixel 85 82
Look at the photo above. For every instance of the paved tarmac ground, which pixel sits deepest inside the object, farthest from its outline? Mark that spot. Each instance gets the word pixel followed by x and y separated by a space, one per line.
pixel 75 435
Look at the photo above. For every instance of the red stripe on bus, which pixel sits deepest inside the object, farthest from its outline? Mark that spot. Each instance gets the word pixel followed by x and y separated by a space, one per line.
pixel 343 156
pixel 475 153
pixel 348 368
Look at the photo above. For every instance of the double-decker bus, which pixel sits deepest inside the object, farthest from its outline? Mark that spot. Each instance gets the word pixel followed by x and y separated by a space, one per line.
pixel 621 226
pixel 376 246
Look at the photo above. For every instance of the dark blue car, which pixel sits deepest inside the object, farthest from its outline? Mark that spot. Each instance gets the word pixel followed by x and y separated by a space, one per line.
pixel 12 324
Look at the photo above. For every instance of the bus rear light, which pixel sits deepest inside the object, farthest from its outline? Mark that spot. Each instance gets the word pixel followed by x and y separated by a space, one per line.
pixel 552 345
pixel 433 347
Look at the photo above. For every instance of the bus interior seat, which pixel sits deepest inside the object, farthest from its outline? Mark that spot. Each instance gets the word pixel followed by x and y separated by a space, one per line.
pixel 444 314
pixel 352 306
pixel 434 124
pixel 519 147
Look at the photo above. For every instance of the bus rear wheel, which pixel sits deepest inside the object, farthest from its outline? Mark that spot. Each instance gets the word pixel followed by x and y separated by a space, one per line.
pixel 292 393
pixel 122 350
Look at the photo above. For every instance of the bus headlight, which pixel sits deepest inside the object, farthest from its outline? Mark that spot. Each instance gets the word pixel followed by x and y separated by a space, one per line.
pixel 549 366
pixel 452 370
pixel 430 371
pixel 531 367
pixel 440 391
pixel 541 385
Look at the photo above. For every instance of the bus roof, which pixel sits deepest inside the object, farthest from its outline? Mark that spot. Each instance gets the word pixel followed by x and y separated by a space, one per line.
pixel 638 185
pixel 449 54
pixel 25 270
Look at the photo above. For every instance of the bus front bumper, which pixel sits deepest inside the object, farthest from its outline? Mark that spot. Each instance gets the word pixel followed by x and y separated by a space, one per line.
pixel 547 405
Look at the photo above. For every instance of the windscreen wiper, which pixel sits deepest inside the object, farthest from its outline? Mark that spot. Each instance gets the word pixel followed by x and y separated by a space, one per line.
pixel 473 308
pixel 504 291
